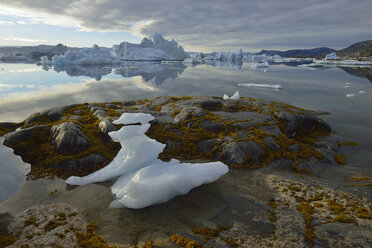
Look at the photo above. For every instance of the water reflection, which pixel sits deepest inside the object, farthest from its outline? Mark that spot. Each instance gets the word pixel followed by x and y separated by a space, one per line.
pixel 362 72
pixel 150 71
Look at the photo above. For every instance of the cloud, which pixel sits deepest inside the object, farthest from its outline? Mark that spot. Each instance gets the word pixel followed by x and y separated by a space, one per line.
pixel 212 25
pixel 6 23
pixel 28 40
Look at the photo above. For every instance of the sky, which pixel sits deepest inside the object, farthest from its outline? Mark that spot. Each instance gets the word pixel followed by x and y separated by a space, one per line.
pixel 204 26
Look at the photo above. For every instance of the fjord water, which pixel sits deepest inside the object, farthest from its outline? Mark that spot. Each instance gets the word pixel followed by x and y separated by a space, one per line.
pixel 27 88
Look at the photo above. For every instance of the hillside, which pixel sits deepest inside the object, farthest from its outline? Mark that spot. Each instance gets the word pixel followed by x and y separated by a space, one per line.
pixel 299 52
pixel 359 51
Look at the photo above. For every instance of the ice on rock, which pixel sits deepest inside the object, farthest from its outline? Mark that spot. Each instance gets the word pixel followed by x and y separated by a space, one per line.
pixel 144 180
pixel 270 86
pixel 13 172
pixel 233 97
pixel 161 181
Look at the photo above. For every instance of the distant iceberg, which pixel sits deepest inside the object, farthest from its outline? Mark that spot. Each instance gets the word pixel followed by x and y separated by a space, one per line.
pixel 331 56
pixel 143 179
pixel 270 86
pixel 155 49
pixel 13 172
pixel 87 56
pixel 260 65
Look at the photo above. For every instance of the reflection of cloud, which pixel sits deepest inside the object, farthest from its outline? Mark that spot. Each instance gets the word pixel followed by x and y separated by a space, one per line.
pixel 90 90
pixel 21 70
pixel 6 86
pixel 24 39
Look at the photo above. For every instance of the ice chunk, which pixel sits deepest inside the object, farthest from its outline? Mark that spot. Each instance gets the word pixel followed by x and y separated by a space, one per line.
pixel 143 179
pixel 362 92
pixel 87 56
pixel 331 56
pixel 131 118
pixel 350 95
pixel 271 86
pixel 156 48
pixel 233 97
pixel 13 172
pixel 161 181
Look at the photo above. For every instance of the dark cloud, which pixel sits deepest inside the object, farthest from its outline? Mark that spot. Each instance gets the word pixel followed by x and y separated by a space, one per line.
pixel 223 24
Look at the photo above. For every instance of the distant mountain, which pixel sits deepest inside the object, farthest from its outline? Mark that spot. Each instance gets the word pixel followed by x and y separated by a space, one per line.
pixel 360 50
pixel 299 52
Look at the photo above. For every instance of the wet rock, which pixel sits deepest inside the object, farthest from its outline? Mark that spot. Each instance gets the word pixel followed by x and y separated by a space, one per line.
pixel 170 144
pixel 326 145
pixel 188 113
pixel 233 154
pixel 251 148
pixel 89 161
pixel 34 227
pixel 100 114
pixel 55 113
pixel 271 144
pixel 106 126
pixel 162 120
pixel 208 145
pixel 213 126
pixel 113 106
pixel 271 130
pixel 129 103
pixel 68 136
pixel 281 163
pixel 292 122
pixel 309 122
pixel 21 134
pixel 325 126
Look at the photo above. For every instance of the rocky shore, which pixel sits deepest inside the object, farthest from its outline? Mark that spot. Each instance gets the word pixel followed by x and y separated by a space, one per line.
pixel 272 196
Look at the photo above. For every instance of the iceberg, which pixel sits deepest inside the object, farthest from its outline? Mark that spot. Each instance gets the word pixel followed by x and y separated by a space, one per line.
pixel 270 86
pixel 142 179
pixel 331 56
pixel 13 172
pixel 233 97
pixel 87 56
pixel 156 48
pixel 226 56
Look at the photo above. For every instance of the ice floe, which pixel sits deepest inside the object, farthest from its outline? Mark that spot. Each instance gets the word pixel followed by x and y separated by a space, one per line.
pixel 233 97
pixel 13 172
pixel 142 179
pixel 270 86
pixel 260 65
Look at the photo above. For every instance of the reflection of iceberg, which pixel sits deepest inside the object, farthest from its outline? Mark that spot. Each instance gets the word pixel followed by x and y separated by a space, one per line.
pixel 13 172
pixel 93 71
pixel 151 70
pixel 143 179
pixel 217 63
pixel 263 86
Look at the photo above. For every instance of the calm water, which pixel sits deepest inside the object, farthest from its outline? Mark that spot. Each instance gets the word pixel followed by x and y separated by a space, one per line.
pixel 28 88
pixel 239 196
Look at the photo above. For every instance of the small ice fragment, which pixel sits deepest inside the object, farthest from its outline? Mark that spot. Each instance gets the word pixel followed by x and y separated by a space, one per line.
pixel 348 83
pixel 272 86
pixel 346 86
pixel 235 96
pixel 362 92
pixel 350 95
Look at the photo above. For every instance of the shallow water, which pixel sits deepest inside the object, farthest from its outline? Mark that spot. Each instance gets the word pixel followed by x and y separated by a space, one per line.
pixel 240 195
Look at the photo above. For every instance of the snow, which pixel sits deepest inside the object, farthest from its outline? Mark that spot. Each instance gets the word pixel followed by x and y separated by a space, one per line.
pixel 13 172
pixel 271 86
pixel 233 97
pixel 144 180
pixel 331 56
